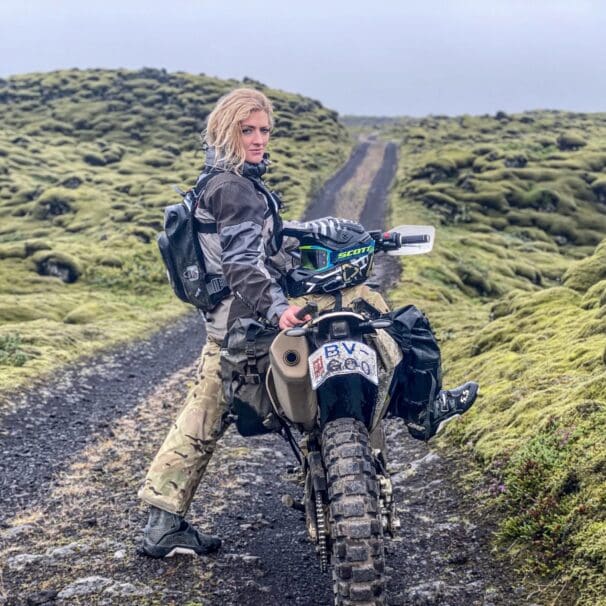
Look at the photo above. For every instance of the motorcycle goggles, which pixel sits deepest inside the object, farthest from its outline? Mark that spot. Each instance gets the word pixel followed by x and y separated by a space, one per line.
pixel 318 258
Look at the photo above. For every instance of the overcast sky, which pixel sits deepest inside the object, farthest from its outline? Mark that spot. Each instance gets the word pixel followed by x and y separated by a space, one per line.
pixel 388 57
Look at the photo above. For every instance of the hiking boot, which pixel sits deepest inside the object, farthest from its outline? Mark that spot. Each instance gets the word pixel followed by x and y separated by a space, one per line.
pixel 450 404
pixel 168 534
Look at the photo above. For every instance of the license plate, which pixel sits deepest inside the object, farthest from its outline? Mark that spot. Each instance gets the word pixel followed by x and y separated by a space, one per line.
pixel 342 358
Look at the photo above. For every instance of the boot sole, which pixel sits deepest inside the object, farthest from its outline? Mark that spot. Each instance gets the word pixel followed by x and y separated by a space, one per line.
pixel 168 552
pixel 445 422
pixel 182 551
pixel 158 552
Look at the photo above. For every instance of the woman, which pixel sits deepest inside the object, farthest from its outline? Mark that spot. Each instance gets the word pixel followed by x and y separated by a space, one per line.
pixel 247 220
pixel 244 249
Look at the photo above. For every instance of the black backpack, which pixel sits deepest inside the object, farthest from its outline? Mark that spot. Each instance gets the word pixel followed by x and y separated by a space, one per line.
pixel 182 255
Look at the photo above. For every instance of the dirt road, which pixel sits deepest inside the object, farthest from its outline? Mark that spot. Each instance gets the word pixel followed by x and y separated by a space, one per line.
pixel 75 451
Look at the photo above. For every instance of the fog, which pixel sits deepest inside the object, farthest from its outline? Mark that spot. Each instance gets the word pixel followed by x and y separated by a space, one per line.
pixel 382 58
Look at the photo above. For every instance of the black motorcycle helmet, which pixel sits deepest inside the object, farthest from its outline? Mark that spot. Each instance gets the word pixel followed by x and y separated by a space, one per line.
pixel 334 254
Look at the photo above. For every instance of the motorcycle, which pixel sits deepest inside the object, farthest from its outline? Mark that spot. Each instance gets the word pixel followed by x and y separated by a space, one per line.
pixel 329 379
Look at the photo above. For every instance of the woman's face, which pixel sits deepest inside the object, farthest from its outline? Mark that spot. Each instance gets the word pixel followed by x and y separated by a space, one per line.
pixel 255 135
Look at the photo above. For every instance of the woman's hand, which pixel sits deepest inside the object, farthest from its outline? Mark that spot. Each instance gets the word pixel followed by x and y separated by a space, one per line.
pixel 288 319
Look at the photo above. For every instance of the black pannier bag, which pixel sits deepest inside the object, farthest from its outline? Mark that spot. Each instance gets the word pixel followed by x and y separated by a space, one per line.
pixel 182 255
pixel 244 366
pixel 418 378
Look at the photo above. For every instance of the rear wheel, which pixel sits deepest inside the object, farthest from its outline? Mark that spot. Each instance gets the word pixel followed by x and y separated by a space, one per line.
pixel 354 515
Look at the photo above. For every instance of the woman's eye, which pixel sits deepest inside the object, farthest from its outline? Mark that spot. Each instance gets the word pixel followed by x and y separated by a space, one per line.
pixel 247 131
pixel 266 131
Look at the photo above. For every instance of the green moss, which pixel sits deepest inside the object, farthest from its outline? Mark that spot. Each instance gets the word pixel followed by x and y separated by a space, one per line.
pixel 91 312
pixel 587 272
pixel 494 199
pixel 12 310
pixel 475 278
pixel 157 158
pixel 10 351
pixel 570 141
pixel 13 250
pixel 528 272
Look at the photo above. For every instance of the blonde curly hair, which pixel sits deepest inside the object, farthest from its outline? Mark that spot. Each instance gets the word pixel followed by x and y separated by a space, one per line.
pixel 223 125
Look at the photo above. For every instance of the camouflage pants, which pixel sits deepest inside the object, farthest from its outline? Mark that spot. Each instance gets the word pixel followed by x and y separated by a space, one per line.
pixel 348 295
pixel 179 465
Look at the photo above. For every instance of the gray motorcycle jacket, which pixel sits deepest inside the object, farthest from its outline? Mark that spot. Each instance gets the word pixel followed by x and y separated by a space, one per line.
pixel 247 237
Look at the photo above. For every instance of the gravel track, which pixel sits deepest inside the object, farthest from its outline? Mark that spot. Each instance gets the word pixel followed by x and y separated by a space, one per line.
pixel 324 203
pixel 75 451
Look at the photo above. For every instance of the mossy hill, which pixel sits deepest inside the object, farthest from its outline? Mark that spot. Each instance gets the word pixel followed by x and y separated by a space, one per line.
pixel 516 290
pixel 87 163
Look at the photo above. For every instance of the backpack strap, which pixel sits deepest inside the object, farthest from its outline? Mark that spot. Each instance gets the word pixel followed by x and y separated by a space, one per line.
pixel 206 228
pixel 214 284
pixel 197 191
pixel 275 205
pixel 273 201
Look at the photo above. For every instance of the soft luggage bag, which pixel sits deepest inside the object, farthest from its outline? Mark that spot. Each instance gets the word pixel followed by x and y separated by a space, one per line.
pixel 244 366
pixel 418 378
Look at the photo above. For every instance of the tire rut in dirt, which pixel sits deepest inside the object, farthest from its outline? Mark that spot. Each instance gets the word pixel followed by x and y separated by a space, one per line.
pixel 325 201
pixel 375 207
pixel 387 269
pixel 353 490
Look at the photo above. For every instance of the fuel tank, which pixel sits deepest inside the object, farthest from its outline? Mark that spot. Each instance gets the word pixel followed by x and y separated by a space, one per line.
pixel 289 380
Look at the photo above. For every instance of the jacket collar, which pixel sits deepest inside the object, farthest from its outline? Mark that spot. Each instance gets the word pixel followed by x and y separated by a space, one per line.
pixel 248 170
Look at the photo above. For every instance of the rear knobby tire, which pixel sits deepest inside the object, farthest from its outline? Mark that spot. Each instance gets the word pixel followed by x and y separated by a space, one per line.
pixel 355 519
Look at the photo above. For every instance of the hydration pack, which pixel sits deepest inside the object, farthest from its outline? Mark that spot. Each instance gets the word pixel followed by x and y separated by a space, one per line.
pixel 182 254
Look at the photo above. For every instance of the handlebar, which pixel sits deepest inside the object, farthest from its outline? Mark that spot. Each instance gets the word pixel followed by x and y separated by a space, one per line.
pixel 385 241
pixel 404 240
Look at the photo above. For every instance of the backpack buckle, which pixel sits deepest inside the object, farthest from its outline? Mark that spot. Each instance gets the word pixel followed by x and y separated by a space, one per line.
pixel 252 372
pixel 252 378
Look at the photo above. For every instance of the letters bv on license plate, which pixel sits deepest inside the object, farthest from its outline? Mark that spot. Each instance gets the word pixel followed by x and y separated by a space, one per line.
pixel 342 358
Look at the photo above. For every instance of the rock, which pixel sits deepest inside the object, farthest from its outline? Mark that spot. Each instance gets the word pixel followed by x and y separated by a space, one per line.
pixel 516 161
pixel 60 265
pixel 66 551
pixel 244 558
pixel 16 531
pixel 475 587
pixel 458 558
pixel 41 597
pixel 254 586
pixel 85 586
pixel 427 594
pixel 21 561
pixel 120 554
pixel 127 589
pixel 427 461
